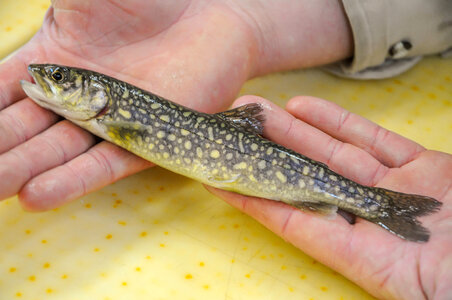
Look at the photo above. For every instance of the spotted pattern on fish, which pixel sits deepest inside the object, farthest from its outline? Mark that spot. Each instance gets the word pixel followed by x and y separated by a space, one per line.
pixel 225 150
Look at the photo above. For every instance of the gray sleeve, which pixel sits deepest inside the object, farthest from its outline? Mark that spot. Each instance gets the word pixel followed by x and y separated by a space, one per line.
pixel 390 36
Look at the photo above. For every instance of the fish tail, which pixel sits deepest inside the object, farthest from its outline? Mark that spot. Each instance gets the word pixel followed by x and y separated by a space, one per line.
pixel 400 212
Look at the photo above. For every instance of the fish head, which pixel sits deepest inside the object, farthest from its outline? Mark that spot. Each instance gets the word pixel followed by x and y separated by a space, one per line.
pixel 73 93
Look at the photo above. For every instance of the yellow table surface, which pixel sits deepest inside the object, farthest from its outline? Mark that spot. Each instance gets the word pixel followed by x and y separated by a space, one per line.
pixel 156 235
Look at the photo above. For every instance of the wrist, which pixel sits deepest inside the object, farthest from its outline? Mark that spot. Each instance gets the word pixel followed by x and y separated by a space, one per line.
pixel 296 34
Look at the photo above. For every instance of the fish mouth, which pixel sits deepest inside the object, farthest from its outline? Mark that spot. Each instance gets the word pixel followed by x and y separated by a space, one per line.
pixel 35 91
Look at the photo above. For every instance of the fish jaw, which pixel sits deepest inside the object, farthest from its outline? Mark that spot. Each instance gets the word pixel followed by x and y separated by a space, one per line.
pixel 43 93
pixel 37 94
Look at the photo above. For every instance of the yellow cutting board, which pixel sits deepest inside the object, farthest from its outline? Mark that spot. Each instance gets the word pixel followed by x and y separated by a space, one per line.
pixel 156 235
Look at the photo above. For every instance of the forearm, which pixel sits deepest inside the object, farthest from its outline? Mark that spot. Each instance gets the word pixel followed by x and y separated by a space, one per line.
pixel 296 34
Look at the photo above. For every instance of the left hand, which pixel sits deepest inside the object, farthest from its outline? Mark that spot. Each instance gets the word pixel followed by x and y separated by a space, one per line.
pixel 195 52
pixel 380 262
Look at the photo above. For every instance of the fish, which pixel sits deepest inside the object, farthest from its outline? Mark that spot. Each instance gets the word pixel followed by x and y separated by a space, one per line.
pixel 225 150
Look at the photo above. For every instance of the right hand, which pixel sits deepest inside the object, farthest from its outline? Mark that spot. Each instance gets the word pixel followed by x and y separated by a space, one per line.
pixel 196 53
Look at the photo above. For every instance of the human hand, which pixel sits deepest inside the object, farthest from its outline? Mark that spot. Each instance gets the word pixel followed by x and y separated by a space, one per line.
pixel 196 53
pixel 383 264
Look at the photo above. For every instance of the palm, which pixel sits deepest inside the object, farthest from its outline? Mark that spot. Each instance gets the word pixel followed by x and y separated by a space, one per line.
pixel 382 263
pixel 162 47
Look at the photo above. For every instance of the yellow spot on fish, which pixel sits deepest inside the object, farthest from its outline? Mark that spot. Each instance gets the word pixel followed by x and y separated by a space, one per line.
pixel 125 94
pixel 210 132
pixel 164 118
pixel 172 137
pixel 351 189
pixel 282 155
pixel 350 200
pixel 252 178
pixel 254 147
pixel 215 154
pixel 301 184
pixel 228 137
pixel 151 146
pixel 305 170
pixel 187 145
pixel 126 114
pixel 321 172
pixel 240 166
pixel 184 132
pixel 281 177
pixel 187 114
pixel 269 151
pixel 160 134
pixel 333 178
pixel 199 152
pixel 165 155
pixel 229 155
pixel 155 105
pixel 261 164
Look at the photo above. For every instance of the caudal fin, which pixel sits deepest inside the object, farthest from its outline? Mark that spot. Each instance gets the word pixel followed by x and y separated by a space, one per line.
pixel 401 212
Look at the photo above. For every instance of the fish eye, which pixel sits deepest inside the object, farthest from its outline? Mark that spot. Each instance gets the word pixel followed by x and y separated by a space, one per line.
pixel 57 75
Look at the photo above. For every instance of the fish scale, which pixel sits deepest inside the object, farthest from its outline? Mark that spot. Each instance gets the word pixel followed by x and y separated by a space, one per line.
pixel 225 150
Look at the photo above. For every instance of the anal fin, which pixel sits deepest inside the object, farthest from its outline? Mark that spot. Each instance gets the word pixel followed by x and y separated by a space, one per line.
pixel 321 208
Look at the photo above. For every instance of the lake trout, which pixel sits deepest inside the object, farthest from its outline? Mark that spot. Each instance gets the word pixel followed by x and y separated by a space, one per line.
pixel 225 150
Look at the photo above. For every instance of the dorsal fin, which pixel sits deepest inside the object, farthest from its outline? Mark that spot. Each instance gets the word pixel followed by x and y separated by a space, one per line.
pixel 248 117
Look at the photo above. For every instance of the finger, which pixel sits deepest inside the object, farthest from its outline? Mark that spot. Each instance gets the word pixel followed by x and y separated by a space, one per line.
pixel 283 128
pixel 103 164
pixel 51 148
pixel 388 147
pixel 21 121
pixel 348 249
